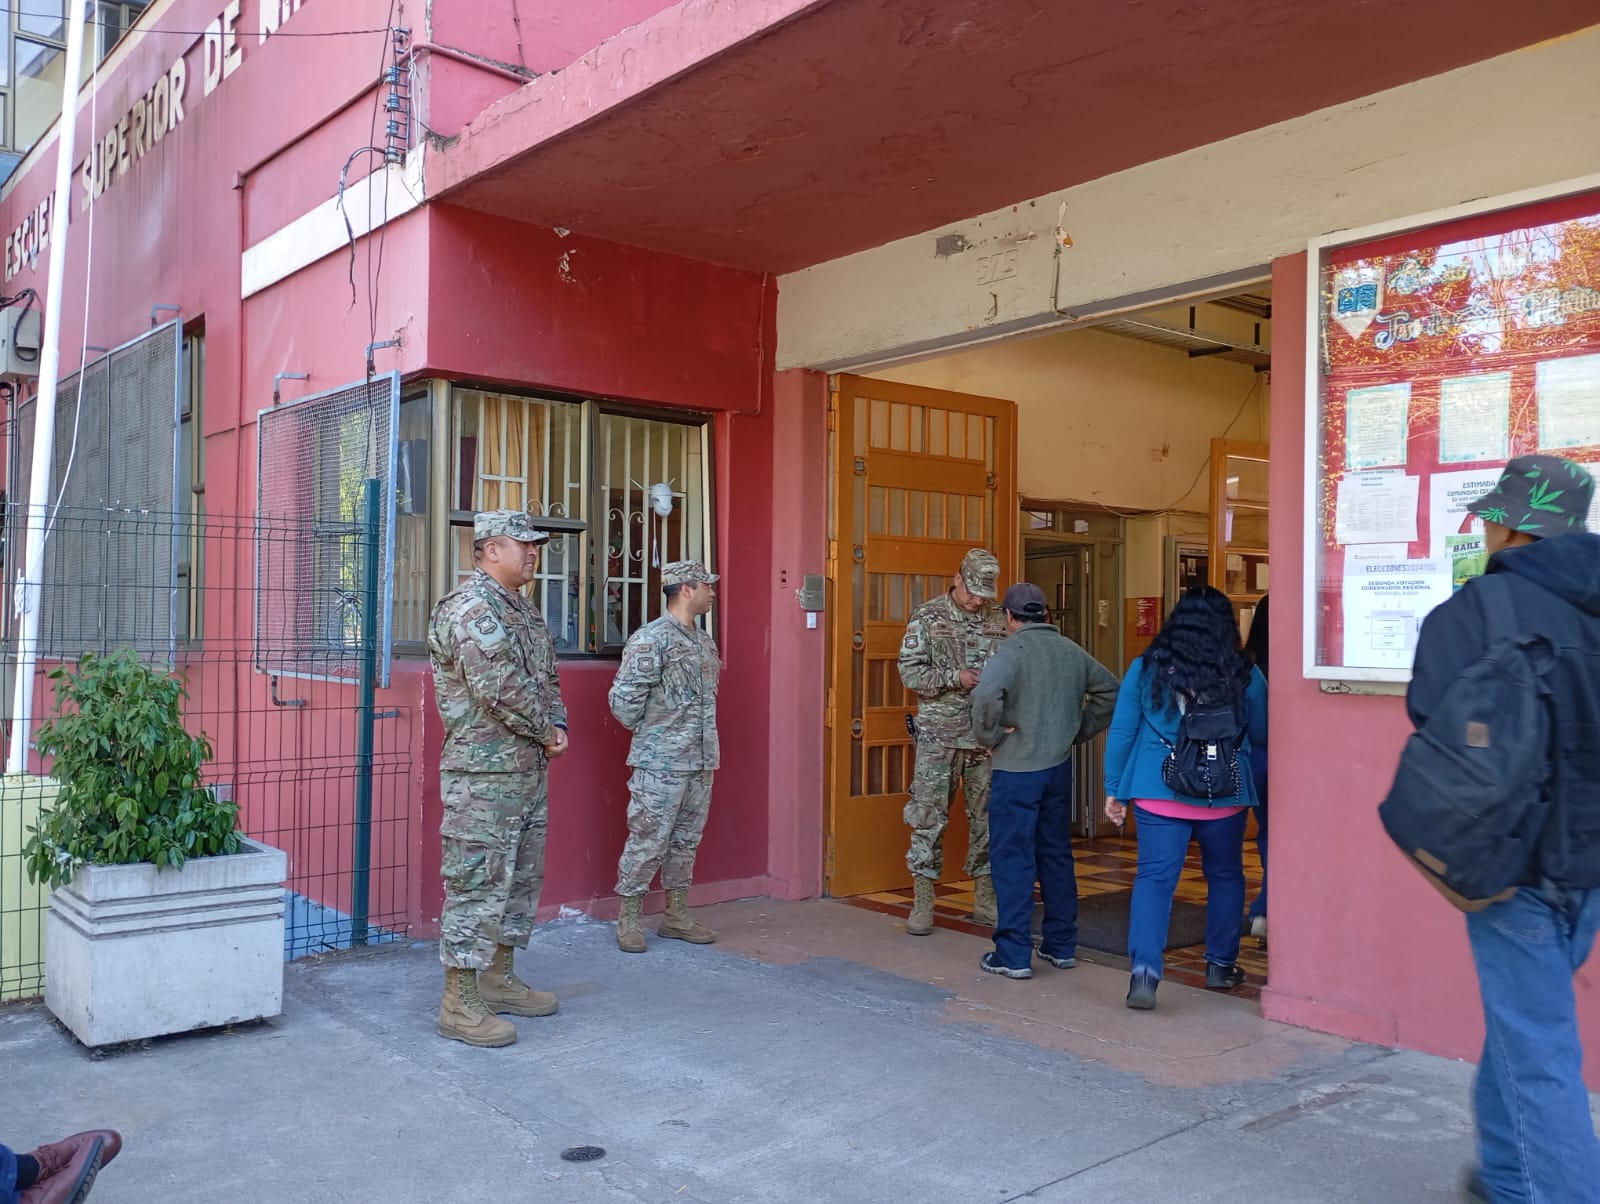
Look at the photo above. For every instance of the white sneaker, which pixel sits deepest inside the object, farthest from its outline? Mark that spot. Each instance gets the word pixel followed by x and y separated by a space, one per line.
pixel 1258 928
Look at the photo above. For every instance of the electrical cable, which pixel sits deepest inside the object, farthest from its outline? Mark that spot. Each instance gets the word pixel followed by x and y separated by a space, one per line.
pixel 1195 484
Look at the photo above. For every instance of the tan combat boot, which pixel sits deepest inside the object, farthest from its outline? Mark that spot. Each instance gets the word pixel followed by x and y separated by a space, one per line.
pixel 678 924
pixel 630 926
pixel 502 991
pixel 465 1017
pixel 985 910
pixel 920 921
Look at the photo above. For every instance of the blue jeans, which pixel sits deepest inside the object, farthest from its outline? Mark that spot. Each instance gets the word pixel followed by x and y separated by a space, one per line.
pixel 8 1176
pixel 1030 840
pixel 1259 907
pixel 1536 1140
pixel 1163 844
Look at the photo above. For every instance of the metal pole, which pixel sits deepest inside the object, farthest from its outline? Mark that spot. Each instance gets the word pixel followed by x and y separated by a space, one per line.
pixel 365 712
pixel 44 425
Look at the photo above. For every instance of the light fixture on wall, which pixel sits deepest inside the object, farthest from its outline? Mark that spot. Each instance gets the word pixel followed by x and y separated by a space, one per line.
pixel 662 501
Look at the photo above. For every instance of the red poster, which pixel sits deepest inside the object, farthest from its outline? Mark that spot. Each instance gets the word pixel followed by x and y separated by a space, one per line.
pixel 1147 620
pixel 1443 353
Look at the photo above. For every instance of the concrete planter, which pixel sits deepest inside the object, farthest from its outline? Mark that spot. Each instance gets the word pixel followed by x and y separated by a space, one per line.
pixel 134 953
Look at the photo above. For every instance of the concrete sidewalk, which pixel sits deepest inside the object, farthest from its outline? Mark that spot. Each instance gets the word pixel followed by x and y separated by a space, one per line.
pixel 814 1054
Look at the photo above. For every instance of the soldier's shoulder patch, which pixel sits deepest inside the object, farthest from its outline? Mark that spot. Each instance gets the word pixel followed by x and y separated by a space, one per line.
pixel 480 622
pixel 913 639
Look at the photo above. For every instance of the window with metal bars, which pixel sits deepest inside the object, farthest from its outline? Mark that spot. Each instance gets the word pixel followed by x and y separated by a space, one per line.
pixel 639 481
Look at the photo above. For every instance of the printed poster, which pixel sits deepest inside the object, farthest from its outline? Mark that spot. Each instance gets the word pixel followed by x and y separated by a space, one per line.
pixel 1568 391
pixel 1469 558
pixel 1449 495
pixel 1377 423
pixel 1384 606
pixel 1377 507
pixel 1475 418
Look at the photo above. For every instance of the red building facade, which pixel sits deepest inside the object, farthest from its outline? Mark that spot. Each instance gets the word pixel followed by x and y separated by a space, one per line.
pixel 617 225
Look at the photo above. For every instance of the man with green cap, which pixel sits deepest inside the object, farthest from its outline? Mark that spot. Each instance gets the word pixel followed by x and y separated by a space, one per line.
pixel 494 673
pixel 665 693
pixel 946 645
pixel 1536 1138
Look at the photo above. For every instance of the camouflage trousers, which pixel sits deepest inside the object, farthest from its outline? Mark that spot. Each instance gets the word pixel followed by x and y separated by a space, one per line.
pixel 666 817
pixel 939 772
pixel 492 841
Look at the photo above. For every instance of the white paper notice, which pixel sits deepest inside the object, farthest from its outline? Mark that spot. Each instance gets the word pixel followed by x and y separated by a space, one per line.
pixel 1568 392
pixel 1377 507
pixel 1475 418
pixel 1377 420
pixel 1449 494
pixel 1384 605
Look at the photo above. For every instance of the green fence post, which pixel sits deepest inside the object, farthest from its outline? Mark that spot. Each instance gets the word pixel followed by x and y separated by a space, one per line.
pixel 365 713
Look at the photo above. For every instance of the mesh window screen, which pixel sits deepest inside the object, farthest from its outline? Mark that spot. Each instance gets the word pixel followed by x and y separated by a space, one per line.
pixel 110 563
pixel 313 458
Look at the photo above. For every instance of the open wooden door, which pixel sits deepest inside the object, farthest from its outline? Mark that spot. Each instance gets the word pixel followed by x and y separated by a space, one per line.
pixel 1238 553
pixel 920 476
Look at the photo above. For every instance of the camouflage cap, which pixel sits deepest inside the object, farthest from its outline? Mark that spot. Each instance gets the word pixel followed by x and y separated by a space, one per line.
pixel 513 524
pixel 980 573
pixel 687 572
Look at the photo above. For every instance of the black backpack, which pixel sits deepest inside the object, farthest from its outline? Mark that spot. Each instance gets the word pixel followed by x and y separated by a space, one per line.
pixel 1204 763
pixel 1471 801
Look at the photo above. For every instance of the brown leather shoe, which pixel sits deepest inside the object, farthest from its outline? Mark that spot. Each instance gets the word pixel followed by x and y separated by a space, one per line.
pixel 67 1168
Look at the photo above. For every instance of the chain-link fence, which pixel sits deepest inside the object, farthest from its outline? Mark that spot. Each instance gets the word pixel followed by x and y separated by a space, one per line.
pixel 314 768
pixel 312 457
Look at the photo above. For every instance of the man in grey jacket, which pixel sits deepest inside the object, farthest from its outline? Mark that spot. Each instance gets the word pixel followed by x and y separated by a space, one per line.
pixel 1039 696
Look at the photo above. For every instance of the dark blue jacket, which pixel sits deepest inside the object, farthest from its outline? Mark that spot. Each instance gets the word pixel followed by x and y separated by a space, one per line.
pixel 1134 751
pixel 1556 591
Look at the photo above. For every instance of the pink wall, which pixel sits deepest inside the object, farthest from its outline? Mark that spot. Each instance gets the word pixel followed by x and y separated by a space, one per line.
pixel 1361 946
pixel 799 654
pixel 547 37
pixel 470 296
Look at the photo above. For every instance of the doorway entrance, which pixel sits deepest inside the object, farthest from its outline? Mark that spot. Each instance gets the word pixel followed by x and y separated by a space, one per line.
pixel 1088 468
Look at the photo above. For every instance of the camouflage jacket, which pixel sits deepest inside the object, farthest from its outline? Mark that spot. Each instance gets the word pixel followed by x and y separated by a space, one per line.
pixel 494 670
pixel 665 693
pixel 940 641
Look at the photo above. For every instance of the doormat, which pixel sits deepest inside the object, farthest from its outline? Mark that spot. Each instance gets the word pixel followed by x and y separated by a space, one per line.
pixel 1103 923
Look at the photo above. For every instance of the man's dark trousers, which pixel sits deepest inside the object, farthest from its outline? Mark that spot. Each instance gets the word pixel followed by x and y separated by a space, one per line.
pixel 1030 840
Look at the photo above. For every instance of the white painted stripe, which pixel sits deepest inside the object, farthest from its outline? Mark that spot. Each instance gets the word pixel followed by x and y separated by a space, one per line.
pixel 371 203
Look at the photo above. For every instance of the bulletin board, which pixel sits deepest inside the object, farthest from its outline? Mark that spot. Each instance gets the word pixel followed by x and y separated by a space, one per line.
pixel 1441 352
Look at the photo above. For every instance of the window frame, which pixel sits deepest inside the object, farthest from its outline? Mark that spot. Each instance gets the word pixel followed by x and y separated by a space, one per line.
pixel 445 520
pixel 189 571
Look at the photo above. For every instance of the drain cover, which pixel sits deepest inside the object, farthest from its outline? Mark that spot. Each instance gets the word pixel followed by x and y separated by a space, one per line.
pixel 582 1153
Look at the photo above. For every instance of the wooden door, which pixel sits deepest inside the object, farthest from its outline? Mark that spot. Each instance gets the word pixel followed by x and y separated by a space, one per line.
pixel 920 476
pixel 1238 552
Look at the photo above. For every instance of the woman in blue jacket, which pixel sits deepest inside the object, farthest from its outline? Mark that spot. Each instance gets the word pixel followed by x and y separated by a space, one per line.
pixel 1195 662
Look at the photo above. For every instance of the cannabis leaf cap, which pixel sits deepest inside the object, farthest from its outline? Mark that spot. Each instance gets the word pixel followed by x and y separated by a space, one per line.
pixel 1540 495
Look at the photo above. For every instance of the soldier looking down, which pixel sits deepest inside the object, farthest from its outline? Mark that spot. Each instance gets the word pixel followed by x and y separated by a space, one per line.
pixel 494 671
pixel 946 645
pixel 665 693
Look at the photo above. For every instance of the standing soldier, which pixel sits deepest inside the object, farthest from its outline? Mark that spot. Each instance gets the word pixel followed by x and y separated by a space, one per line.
pixel 946 645
pixel 494 670
pixel 665 693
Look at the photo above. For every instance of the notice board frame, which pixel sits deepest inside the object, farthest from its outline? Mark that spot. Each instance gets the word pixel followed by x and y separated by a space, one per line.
pixel 1341 678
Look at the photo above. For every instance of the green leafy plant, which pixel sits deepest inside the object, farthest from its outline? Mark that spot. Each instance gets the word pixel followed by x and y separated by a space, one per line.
pixel 129 774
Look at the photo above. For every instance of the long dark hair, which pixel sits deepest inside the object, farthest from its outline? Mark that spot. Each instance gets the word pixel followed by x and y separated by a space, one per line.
pixel 1256 646
pixel 1197 656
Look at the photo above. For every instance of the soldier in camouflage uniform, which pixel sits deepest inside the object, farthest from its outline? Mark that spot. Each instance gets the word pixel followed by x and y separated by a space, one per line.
pixel 494 671
pixel 946 645
pixel 665 693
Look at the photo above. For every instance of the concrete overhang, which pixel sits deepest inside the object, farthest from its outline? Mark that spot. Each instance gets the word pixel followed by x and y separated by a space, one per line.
pixel 771 135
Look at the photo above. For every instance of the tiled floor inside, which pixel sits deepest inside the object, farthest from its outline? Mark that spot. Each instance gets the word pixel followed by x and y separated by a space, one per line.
pixel 1105 866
